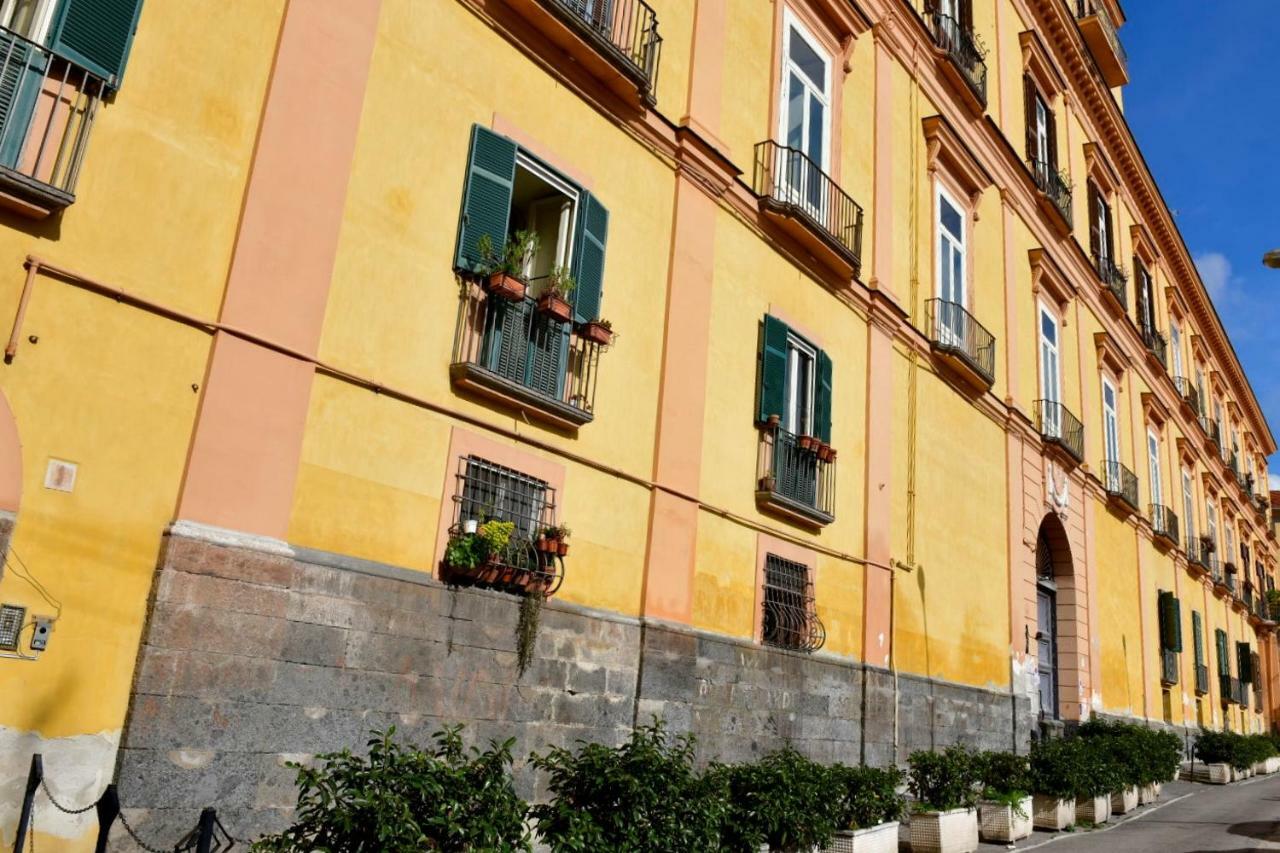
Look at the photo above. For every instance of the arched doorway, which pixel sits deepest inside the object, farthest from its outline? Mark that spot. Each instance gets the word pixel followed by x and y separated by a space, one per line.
pixel 1053 576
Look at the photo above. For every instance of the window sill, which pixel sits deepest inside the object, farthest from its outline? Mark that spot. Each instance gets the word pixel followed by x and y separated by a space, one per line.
pixel 477 380
pixel 792 509
pixel 29 197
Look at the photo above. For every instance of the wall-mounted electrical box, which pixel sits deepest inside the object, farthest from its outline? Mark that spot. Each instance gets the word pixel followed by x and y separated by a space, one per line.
pixel 11 618
pixel 40 636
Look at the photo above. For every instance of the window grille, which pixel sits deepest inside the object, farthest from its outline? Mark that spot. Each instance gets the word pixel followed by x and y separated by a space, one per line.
pixel 790 614
pixel 11 618
pixel 489 491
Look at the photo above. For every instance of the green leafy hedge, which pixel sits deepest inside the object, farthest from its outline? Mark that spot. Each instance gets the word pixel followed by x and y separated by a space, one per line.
pixel 1240 751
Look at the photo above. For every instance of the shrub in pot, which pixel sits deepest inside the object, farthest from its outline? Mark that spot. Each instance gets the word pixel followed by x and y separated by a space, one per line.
pixel 1004 814
pixel 783 800
pixel 1057 767
pixel 1103 775
pixel 1127 745
pixel 1220 753
pixel 643 795
pixel 402 798
pixel 945 787
pixel 868 809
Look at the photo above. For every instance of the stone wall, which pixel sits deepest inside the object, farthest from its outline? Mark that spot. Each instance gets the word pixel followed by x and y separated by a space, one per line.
pixel 252 659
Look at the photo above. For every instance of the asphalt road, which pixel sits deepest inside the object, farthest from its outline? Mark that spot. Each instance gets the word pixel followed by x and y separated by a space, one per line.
pixel 1190 818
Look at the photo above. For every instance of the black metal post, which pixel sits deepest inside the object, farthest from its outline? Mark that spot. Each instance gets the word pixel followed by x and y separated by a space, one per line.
pixel 204 843
pixel 28 800
pixel 108 810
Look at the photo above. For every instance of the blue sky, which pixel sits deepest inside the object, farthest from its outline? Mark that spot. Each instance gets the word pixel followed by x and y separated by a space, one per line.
pixel 1204 104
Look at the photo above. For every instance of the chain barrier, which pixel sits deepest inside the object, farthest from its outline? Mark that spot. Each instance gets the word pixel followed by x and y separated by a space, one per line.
pixel 138 841
pixel 44 786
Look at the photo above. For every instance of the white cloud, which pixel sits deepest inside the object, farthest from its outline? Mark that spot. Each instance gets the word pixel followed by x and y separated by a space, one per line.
pixel 1215 270
pixel 1274 482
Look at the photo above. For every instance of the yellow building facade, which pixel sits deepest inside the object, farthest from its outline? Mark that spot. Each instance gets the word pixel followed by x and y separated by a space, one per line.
pixel 912 422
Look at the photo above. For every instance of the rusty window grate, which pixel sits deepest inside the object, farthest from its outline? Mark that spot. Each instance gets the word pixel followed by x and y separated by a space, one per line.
pixel 790 613
pixel 487 491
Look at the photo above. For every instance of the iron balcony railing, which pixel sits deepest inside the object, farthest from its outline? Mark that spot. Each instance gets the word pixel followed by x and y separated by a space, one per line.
pixel 49 106
pixel 626 30
pixel 1164 523
pixel 513 349
pixel 1156 345
pixel 1054 185
pixel 1202 679
pixel 1273 611
pixel 1058 426
pixel 1188 392
pixel 1113 277
pixel 1120 483
pixel 1091 8
pixel 1196 554
pixel 1233 586
pixel 1168 667
pixel 787 179
pixel 954 330
pixel 961 47
pixel 794 478
pixel 1211 429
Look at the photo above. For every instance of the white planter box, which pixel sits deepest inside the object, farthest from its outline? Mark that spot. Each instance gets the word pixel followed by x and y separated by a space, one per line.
pixel 1273 764
pixel 998 822
pixel 1148 794
pixel 1239 775
pixel 873 839
pixel 1125 801
pixel 1259 768
pixel 1051 813
pixel 1212 774
pixel 1093 809
pixel 955 831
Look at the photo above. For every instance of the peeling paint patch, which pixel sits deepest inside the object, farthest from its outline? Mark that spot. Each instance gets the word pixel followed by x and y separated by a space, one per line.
pixel 191 759
pixel 78 769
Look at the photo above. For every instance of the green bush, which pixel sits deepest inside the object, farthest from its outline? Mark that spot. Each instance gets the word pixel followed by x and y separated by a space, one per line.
pixel 784 800
pixel 642 796
pixel 1005 777
pixel 405 799
pixel 941 781
pixel 1104 773
pixel 866 796
pixel 1058 767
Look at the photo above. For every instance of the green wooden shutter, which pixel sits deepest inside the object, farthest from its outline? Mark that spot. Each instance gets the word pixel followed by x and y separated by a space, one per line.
pixel 1053 142
pixel 1170 630
pixel 592 234
pixel 822 406
pixel 1176 610
pixel 547 340
pixel 509 339
pixel 97 34
pixel 1095 236
pixel 1224 665
pixel 773 369
pixel 20 80
pixel 1244 662
pixel 486 196
pixel 1197 635
pixel 1029 114
pixel 1255 670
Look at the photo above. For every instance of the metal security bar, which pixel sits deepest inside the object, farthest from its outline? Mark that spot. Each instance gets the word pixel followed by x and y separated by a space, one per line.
pixel 786 178
pixel 1114 278
pixel 1054 185
pixel 519 351
pixel 1058 426
pixel 1157 345
pixel 627 30
pixel 1164 523
pixel 959 43
pixel 1120 483
pixel 799 479
pixel 47 108
pixel 1188 392
pixel 790 619
pixel 952 329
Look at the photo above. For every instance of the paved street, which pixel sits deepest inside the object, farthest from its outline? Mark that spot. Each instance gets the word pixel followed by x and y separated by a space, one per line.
pixel 1189 818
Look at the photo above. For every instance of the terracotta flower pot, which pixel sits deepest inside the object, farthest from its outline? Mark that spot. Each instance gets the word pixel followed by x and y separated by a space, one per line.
pixel 806 442
pixel 506 287
pixel 555 308
pixel 824 452
pixel 597 333
pixel 562 547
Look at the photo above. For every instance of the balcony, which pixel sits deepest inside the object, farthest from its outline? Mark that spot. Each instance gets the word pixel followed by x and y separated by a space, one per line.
pixel 1156 345
pixel 1115 282
pixel 49 106
pixel 512 354
pixel 1164 525
pixel 1055 192
pixel 621 37
pixel 1261 507
pixel 1121 485
pixel 1187 391
pixel 1100 35
pixel 1212 431
pixel 796 478
pixel 1197 556
pixel 1061 429
pixel 1202 679
pixel 962 58
pixel 1168 667
pixel 809 205
pixel 962 343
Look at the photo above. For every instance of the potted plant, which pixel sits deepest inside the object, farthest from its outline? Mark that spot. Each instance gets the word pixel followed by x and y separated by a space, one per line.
pixel 560 535
pixel 1004 813
pixel 1102 776
pixel 1273 604
pixel 782 803
pixel 808 443
pixel 504 271
pixel 1055 774
pixel 1208 544
pixel 1217 752
pixel 554 301
pixel 597 331
pixel 868 809
pixel 824 451
pixel 1127 745
pixel 945 787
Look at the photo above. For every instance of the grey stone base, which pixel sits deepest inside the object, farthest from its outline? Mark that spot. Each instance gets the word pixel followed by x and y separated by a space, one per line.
pixel 252 659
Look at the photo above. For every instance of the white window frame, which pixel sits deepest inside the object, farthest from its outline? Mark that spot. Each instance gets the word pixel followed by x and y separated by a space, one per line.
pixel 1211 521
pixel 1041 130
pixel 1188 505
pixel 795 421
pixel 568 215
pixel 952 327
pixel 1175 344
pixel 1104 235
pixel 40 20
pixel 1052 424
pixel 1154 468
pixel 791 23
pixel 1111 424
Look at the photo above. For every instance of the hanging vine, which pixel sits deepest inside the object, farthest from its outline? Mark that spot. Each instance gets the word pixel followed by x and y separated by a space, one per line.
pixel 527 629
